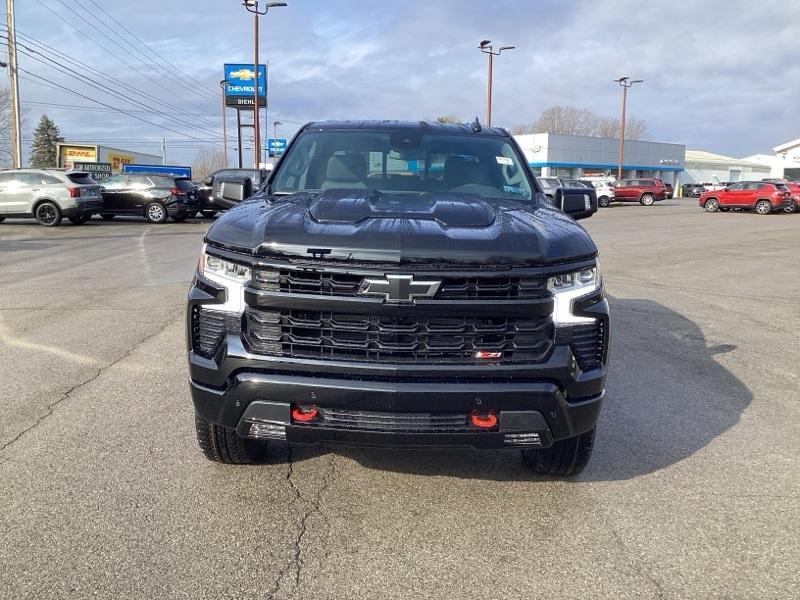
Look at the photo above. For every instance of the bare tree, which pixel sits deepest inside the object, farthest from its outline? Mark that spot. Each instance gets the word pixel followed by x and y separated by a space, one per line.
pixel 206 161
pixel 571 120
pixel 448 119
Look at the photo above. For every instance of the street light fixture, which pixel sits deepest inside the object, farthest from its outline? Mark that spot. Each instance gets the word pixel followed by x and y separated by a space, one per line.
pixel 275 125
pixel 257 9
pixel 486 47
pixel 625 82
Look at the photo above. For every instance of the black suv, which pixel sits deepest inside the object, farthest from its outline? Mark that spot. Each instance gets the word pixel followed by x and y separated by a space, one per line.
pixel 211 201
pixel 154 196
pixel 400 284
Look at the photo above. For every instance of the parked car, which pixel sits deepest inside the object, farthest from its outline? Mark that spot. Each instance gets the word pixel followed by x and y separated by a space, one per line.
pixel 49 195
pixel 604 190
pixel 794 191
pixel 208 193
pixel 362 298
pixel 150 195
pixel 760 196
pixel 645 191
pixel 669 191
pixel 692 190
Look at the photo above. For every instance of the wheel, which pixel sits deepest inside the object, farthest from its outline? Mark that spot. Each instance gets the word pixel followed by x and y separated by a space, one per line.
pixel 603 201
pixel 208 214
pixel 790 208
pixel 48 214
pixel 155 212
pixel 763 207
pixel 2 219
pixel 564 458
pixel 711 205
pixel 222 444
pixel 647 200
pixel 108 217
pixel 180 217
pixel 79 219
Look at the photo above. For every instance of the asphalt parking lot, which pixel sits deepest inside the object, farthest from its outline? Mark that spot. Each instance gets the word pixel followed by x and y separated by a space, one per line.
pixel 692 491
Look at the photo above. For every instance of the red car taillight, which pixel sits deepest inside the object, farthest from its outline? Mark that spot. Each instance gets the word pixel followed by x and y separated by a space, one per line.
pixel 74 192
pixel 175 192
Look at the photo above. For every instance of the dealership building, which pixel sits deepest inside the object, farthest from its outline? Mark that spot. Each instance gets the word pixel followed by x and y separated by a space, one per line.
pixel 706 167
pixel 785 163
pixel 573 156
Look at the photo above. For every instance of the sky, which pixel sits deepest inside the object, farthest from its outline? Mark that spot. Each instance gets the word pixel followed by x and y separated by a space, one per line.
pixel 719 76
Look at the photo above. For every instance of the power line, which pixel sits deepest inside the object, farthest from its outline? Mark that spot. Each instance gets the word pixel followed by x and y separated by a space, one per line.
pixel 29 39
pixel 97 85
pixel 145 44
pixel 71 91
pixel 96 109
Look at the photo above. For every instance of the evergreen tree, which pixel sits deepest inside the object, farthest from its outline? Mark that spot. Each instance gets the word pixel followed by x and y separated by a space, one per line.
pixel 43 150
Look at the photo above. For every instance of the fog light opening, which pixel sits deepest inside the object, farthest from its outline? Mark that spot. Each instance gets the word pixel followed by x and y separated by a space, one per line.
pixel 304 413
pixel 483 419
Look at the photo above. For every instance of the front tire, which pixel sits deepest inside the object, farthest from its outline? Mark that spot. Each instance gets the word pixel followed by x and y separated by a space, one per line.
pixel 647 200
pixel 789 209
pixel 48 214
pixel 222 444
pixel 763 207
pixel 603 202
pixel 564 458
pixel 155 212
pixel 78 219
pixel 711 205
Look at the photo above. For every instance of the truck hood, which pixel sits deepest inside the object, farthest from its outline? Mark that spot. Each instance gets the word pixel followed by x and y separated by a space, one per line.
pixel 402 228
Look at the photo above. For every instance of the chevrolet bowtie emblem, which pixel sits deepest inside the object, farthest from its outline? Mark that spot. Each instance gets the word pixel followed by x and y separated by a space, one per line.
pixel 399 288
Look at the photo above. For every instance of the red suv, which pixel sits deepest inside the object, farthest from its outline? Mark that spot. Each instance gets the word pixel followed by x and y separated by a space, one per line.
pixel 761 196
pixel 643 191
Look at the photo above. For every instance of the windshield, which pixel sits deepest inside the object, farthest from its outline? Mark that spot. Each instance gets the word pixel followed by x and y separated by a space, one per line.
pixel 403 162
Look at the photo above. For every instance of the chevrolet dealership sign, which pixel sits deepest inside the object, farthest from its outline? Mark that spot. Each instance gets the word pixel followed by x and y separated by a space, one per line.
pixel 241 83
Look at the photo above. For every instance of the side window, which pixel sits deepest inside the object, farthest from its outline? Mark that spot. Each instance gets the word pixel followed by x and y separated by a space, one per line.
pixel 114 182
pixel 755 185
pixel 735 187
pixel 49 179
pixel 31 179
pixel 5 178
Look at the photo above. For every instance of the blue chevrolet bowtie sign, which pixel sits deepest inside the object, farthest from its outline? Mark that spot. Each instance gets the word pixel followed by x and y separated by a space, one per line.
pixel 276 146
pixel 240 86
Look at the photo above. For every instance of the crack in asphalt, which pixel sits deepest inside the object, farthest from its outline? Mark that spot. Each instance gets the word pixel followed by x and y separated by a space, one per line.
pixel 51 407
pixel 295 565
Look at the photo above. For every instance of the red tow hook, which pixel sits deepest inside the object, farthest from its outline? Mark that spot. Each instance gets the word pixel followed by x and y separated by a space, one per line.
pixel 304 413
pixel 483 419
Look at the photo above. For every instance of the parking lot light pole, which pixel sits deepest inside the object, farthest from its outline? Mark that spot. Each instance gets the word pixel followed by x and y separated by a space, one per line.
pixel 625 82
pixel 275 128
pixel 222 85
pixel 486 48
pixel 258 11
pixel 12 65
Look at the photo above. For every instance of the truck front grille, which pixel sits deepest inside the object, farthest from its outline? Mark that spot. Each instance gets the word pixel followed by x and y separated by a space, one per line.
pixel 398 339
pixel 309 281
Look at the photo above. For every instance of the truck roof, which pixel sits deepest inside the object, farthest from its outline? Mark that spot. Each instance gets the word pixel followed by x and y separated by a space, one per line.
pixel 421 126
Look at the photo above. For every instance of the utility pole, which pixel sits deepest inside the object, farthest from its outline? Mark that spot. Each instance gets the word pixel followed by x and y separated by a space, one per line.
pixel 16 120
pixel 486 48
pixel 163 151
pixel 222 85
pixel 625 82
pixel 253 7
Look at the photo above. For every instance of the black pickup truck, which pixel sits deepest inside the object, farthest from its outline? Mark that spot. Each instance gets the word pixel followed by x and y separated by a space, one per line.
pixel 403 284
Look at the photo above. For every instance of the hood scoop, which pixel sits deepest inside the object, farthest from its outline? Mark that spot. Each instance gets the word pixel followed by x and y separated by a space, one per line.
pixel 449 210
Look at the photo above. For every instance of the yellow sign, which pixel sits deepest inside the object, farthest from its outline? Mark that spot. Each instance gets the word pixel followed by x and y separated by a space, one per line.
pixel 117 160
pixel 81 153
pixel 243 74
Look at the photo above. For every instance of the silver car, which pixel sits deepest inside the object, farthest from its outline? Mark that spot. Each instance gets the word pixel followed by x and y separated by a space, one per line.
pixel 48 195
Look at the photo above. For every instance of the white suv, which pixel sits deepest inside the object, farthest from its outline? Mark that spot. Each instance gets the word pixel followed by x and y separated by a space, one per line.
pixel 605 191
pixel 48 195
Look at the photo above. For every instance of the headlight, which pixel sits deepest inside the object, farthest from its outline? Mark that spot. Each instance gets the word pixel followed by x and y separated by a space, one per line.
pixel 230 275
pixel 568 287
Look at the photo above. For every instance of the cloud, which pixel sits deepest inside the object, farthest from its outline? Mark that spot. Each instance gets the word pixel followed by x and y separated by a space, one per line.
pixel 715 78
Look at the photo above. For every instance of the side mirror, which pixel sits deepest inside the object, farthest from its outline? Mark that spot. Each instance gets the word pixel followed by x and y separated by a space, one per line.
pixel 578 203
pixel 208 180
pixel 234 190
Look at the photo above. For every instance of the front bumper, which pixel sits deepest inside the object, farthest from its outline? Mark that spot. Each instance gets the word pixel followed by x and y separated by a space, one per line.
pixel 235 380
